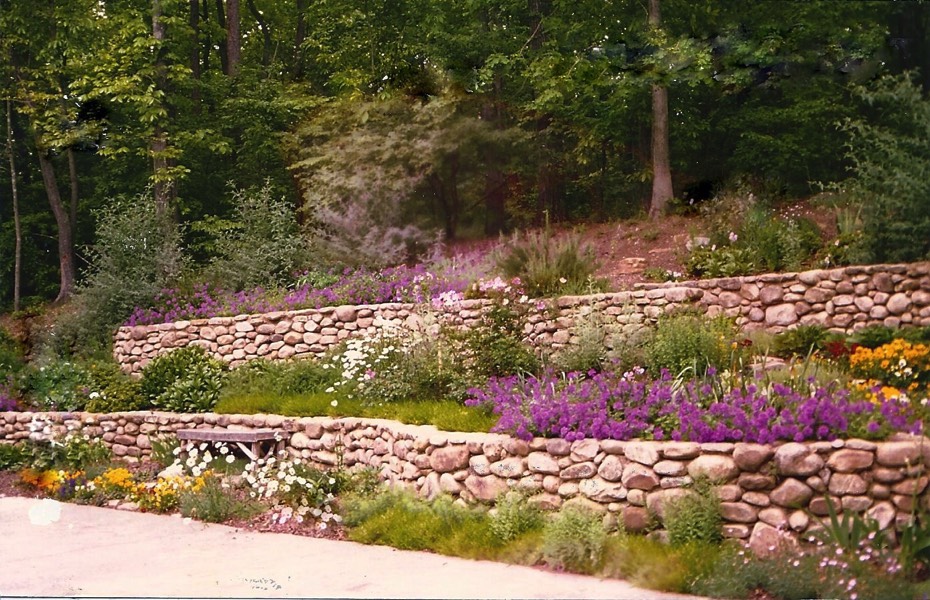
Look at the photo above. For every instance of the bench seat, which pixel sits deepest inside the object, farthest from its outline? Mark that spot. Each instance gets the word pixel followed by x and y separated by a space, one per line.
pixel 262 443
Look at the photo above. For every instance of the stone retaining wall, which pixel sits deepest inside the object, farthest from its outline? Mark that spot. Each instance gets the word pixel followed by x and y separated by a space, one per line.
pixel 842 299
pixel 765 490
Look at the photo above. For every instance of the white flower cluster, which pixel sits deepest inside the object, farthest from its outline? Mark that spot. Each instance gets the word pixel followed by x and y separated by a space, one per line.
pixel 199 458
pixel 280 481
pixel 365 358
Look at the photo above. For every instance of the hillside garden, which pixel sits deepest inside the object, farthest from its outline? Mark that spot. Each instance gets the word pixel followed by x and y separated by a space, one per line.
pixel 169 161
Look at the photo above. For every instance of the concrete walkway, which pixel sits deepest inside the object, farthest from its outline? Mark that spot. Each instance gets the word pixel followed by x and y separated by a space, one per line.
pixel 53 549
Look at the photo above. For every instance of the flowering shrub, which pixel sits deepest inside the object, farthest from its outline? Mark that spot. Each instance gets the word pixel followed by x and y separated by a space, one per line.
pixel 630 405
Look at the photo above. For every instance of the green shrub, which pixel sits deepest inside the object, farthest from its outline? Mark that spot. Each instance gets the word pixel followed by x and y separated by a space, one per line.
pixel 574 540
pixel 548 266
pixel 113 390
pixel 13 456
pixel 514 516
pixel 722 261
pixel 215 502
pixel 800 341
pixel 57 385
pixel 874 336
pixel 11 355
pixel 183 380
pixel 494 346
pixel 746 236
pixel 687 340
pixel 695 517
pixel 73 453
pixel 891 170
pixel 589 350
pixel 262 246
pixel 137 253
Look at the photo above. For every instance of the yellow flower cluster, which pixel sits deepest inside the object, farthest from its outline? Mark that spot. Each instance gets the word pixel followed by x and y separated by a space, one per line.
pixel 898 364
pixel 165 494
pixel 49 481
pixel 115 483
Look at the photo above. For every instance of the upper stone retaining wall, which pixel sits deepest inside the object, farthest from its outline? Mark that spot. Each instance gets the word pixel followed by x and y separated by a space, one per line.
pixel 765 490
pixel 842 299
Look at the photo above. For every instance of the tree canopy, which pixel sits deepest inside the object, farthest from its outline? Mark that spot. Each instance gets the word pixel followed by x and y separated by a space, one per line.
pixel 450 118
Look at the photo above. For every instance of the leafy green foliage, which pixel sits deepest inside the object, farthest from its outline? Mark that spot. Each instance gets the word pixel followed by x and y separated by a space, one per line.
pixel 746 236
pixel 72 452
pixel 259 377
pixel 800 341
pixel 494 346
pixel 57 385
pixel 652 564
pixel 690 341
pixel 113 390
pixel 400 520
pixel 874 336
pixel 514 516
pixel 11 355
pixel 13 456
pixel 891 170
pixel 262 247
pixel 589 350
pixel 695 517
pixel 183 380
pixel 215 502
pixel 163 450
pixel 849 530
pixel 574 540
pixel 137 253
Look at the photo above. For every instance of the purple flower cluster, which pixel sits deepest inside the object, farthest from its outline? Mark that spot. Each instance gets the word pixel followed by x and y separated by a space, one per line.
pixel 398 284
pixel 627 406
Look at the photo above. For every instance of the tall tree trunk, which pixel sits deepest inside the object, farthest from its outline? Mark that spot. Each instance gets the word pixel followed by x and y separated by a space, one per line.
pixel 299 36
pixel 73 181
pixel 221 20
pixel 661 166
pixel 194 22
pixel 163 187
pixel 65 239
pixel 207 47
pixel 233 39
pixel 17 229
pixel 495 181
pixel 266 33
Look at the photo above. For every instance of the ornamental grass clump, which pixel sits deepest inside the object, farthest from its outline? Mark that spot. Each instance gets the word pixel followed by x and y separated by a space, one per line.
pixel 631 405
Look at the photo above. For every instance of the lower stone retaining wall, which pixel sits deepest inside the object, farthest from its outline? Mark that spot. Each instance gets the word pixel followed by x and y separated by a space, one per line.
pixel 765 490
pixel 842 299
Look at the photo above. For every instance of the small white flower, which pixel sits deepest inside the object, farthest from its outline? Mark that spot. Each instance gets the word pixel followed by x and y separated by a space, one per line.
pixel 230 458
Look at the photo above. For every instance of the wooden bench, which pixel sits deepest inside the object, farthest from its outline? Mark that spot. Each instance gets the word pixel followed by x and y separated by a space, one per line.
pixel 262 443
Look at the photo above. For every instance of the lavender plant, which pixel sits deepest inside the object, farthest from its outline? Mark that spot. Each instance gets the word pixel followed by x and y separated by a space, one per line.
pixel 630 405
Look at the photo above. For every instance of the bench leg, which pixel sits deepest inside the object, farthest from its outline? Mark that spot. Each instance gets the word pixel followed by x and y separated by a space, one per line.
pixel 249 452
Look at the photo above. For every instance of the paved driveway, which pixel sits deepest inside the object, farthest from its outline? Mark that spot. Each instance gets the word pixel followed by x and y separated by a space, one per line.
pixel 53 549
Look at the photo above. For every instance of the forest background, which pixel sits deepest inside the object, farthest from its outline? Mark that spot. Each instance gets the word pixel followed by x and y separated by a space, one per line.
pixel 173 134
